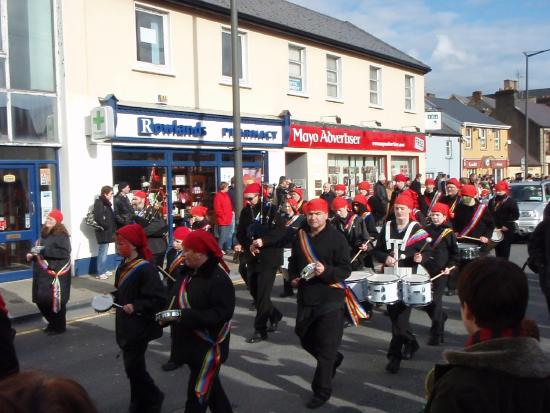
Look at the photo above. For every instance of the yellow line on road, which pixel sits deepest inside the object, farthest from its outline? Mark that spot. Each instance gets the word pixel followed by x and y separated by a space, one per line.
pixel 73 321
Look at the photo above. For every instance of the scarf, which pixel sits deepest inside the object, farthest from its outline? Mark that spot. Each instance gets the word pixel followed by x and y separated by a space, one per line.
pixel 56 285
pixel 128 270
pixel 485 334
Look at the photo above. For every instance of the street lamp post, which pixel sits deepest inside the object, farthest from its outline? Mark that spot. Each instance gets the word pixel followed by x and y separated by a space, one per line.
pixel 527 56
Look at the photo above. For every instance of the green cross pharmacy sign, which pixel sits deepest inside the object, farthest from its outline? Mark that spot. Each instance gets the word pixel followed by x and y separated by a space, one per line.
pixel 102 122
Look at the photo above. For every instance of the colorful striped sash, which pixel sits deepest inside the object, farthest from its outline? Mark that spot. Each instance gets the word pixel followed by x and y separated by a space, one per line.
pixel 443 234
pixel 56 285
pixel 178 260
pixel 355 308
pixel 419 235
pixel 434 201
pixel 498 204
pixel 474 221
pixel 349 224
pixel 211 363
pixel 129 271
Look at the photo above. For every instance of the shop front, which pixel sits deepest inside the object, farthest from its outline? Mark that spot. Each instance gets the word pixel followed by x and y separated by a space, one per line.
pixel 348 155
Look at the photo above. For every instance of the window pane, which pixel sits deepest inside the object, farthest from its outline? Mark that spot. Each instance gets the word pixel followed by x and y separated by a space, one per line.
pixel 332 77
pixel 331 63
pixel 137 156
pixel 194 156
pixel 2 72
pixel 374 73
pixel 295 69
pixel 34 117
pixel 373 85
pixel 332 90
pixel 295 84
pixel 295 54
pixel 150 36
pixel 31 45
pixel 374 98
pixel 3 118
pixel 226 54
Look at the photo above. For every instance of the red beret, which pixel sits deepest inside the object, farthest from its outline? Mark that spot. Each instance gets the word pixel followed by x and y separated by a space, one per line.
pixel 140 194
pixel 181 232
pixel 404 199
pixel 441 208
pixel 364 186
pixel 57 215
pixel 135 235
pixel 316 204
pixel 338 203
pixel 484 192
pixel 293 203
pixel 430 181
pixel 199 211
pixel 203 242
pixel 298 191
pixel 502 186
pixel 468 190
pixel 360 199
pixel 413 195
pixel 400 178
pixel 454 181
pixel 340 187
pixel 253 188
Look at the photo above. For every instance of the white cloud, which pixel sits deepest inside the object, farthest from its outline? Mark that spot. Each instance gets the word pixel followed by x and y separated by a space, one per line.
pixel 448 55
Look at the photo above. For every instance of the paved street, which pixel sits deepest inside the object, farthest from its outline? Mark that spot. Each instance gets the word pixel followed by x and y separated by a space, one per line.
pixel 271 376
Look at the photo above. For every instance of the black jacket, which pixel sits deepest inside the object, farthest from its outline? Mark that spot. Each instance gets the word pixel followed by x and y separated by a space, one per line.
pixel 57 252
pixel 212 301
pixel 155 228
pixel 445 254
pixel 505 212
pixel 538 249
pixel 451 201
pixel 463 216
pixel 104 216
pixel 124 213
pixel 142 288
pixel 356 235
pixel 380 193
pixel 503 375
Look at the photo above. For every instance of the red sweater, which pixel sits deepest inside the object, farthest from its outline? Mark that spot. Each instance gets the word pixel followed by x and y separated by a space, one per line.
pixel 223 208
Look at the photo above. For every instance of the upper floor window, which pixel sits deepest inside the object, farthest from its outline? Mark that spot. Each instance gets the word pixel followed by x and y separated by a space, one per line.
pixel 497 140
pixel 409 93
pixel 468 139
pixel 227 70
pixel 482 133
pixel 296 69
pixel 375 78
pixel 152 37
pixel 334 81
pixel 449 149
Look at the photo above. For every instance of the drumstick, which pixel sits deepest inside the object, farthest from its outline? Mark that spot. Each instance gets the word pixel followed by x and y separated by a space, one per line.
pixel 472 238
pixel 443 273
pixel 171 302
pixel 356 255
pixel 165 273
pixel 428 240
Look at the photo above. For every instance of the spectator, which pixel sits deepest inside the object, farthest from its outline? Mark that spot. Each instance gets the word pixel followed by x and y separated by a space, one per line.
pixel 380 192
pixel 8 360
pixel 105 217
pixel 502 368
pixel 224 217
pixel 32 391
pixel 539 254
pixel 328 194
pixel 199 219
pixel 124 213
pixel 416 185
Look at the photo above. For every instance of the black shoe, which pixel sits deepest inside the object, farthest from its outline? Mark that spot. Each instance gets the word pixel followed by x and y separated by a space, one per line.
pixel 257 337
pixel 393 365
pixel 315 402
pixel 339 359
pixel 156 407
pixel 47 329
pixel 435 340
pixel 170 365
pixel 252 306
pixel 274 324
pixel 409 349
pixel 450 293
pixel 286 294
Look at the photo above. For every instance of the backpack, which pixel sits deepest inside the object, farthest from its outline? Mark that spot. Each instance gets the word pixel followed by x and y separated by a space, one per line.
pixel 90 220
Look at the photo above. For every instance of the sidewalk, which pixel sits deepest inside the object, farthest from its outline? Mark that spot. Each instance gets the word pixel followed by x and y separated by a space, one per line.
pixel 18 294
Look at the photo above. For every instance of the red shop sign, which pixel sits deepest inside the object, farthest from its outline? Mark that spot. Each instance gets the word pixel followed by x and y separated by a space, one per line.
pixel 309 136
pixel 472 163
pixel 499 163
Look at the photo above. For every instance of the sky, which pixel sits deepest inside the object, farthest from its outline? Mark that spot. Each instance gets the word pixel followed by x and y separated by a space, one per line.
pixel 469 44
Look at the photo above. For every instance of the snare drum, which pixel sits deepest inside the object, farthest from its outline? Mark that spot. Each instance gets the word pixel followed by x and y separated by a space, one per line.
pixel 400 271
pixel 383 289
pixel 416 290
pixel 168 315
pixel 357 281
pixel 468 252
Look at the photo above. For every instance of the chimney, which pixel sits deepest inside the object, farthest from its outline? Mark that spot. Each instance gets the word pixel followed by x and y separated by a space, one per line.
pixel 504 101
pixel 510 84
pixel 430 95
pixel 476 96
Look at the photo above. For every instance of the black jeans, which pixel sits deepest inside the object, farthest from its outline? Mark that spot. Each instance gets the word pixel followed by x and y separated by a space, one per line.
pixel 8 358
pixel 435 308
pixel 399 315
pixel 56 321
pixel 217 399
pixel 143 391
pixel 261 284
pixel 321 340
pixel 502 249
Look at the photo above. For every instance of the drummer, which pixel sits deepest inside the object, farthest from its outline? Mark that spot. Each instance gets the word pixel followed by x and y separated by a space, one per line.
pixel 206 297
pixel 409 236
pixel 505 212
pixel 444 255
pixel 141 294
pixel 175 267
pixel 473 224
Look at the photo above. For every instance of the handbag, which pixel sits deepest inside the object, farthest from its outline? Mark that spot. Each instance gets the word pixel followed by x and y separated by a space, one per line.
pixel 90 220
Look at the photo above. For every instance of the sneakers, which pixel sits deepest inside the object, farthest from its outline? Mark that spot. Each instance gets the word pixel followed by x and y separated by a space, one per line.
pixel 104 276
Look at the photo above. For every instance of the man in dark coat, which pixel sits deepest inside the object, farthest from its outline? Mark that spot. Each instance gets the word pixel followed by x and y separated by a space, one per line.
pixel 380 193
pixel 501 369
pixel 320 316
pixel 141 294
pixel 8 361
pixel 150 218
pixel 539 254
pixel 124 213
pixel 105 217
pixel 452 198
pixel 505 212
pixel 400 186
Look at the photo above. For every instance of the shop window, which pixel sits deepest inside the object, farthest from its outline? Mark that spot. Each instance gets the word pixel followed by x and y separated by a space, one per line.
pixel 482 135
pixel 31 43
pixel 241 55
pixel 34 117
pixel 137 156
pixel 48 189
pixel 350 170
pixel 409 93
pixel 296 69
pixel 194 157
pixel 403 165
pixel 3 117
pixel 30 153
pixel 334 74
pixel 152 37
pixel 375 79
pixel 497 140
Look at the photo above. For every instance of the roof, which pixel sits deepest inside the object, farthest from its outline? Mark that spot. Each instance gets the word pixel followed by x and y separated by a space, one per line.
pixel 445 130
pixel 461 112
pixel 298 20
pixel 537 112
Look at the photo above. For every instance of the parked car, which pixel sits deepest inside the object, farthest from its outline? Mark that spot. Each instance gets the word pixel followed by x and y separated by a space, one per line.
pixel 531 197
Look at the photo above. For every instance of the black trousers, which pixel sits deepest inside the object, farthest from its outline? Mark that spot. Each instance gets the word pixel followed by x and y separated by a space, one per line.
pixel 8 358
pixel 56 321
pixel 322 339
pixel 502 249
pixel 435 308
pixel 217 399
pixel 400 328
pixel 143 391
pixel 261 284
pixel 244 260
pixel 544 281
pixel 176 340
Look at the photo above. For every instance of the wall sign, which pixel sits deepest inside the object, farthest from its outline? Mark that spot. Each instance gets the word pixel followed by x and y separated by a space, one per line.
pixel 310 136
pixel 472 163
